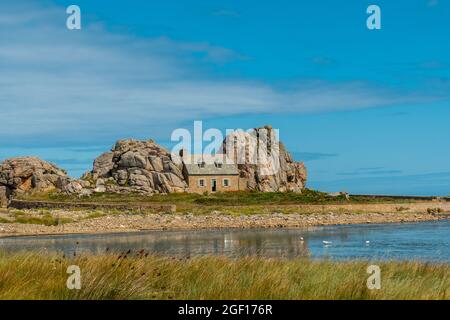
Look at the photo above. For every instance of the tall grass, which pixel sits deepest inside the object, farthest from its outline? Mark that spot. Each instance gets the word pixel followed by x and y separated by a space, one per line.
pixel 138 276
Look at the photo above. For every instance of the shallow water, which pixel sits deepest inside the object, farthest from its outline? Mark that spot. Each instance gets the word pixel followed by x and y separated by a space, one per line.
pixel 425 241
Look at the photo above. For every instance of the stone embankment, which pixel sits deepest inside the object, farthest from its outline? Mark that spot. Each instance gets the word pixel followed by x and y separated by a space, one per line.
pixel 142 207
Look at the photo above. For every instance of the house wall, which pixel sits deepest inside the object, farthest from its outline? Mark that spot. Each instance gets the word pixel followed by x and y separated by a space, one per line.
pixel 243 184
pixel 194 187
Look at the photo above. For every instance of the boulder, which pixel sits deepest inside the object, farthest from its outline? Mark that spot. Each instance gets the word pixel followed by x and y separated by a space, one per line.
pixel 27 174
pixel 136 166
pixel 132 159
pixel 103 165
pixel 263 165
pixel 65 184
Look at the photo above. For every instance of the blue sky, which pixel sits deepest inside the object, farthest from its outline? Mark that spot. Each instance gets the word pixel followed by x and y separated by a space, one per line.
pixel 366 110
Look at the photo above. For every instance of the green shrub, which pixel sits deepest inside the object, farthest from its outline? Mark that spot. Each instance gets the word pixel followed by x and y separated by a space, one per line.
pixel 434 210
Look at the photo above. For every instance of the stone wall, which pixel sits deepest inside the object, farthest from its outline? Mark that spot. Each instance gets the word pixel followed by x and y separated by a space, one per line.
pixel 23 204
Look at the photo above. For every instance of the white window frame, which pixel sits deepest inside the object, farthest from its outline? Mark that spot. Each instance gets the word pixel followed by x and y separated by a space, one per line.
pixel 199 182
pixel 228 182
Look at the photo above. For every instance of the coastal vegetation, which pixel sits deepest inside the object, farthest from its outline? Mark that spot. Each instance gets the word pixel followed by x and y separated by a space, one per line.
pixel 108 212
pixel 241 203
pixel 307 196
pixel 137 275
pixel 39 217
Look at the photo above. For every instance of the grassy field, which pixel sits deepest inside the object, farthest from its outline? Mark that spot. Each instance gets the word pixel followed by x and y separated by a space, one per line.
pixel 309 202
pixel 238 203
pixel 238 198
pixel 138 276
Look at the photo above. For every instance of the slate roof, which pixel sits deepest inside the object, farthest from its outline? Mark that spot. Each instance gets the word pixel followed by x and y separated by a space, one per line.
pixel 211 166
pixel 211 169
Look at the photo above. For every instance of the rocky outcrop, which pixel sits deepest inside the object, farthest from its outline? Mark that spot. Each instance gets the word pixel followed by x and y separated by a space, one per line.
pixel 144 167
pixel 80 187
pixel 135 166
pixel 264 163
pixel 27 174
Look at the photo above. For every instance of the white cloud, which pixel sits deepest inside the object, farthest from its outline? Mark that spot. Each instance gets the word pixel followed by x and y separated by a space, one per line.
pixel 88 84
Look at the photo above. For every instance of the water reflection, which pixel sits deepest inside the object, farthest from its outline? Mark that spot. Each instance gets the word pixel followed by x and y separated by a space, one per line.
pixel 179 243
pixel 423 241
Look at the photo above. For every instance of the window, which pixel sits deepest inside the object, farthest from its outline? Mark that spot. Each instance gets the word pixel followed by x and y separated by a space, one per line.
pixel 226 182
pixel 201 182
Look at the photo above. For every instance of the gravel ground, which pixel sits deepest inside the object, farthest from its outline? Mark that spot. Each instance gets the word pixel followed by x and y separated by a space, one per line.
pixel 85 222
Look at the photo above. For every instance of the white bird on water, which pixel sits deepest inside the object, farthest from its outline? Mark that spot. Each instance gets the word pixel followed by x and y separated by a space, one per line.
pixel 327 242
pixel 367 242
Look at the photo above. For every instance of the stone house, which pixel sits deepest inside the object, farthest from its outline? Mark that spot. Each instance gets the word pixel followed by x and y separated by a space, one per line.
pixel 211 176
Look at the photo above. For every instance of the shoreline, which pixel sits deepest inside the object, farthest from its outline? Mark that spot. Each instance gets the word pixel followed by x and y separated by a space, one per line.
pixel 119 232
pixel 109 223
